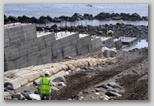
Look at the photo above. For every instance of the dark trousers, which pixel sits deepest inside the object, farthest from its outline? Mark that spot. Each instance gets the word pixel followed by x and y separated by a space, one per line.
pixel 45 97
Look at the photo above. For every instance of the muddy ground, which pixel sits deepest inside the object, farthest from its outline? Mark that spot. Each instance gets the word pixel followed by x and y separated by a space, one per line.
pixel 130 71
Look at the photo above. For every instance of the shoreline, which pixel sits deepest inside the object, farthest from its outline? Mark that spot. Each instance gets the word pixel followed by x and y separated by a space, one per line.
pixel 76 17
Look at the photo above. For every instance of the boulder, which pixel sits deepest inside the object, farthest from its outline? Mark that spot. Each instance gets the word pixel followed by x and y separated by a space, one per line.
pixel 54 88
pixel 35 96
pixel 110 93
pixel 59 79
pixel 104 97
pixel 120 22
pixel 19 96
pixel 7 96
pixel 102 86
pixel 114 85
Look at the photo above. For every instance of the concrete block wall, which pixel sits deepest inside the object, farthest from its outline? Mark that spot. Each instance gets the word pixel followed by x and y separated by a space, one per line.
pixel 26 49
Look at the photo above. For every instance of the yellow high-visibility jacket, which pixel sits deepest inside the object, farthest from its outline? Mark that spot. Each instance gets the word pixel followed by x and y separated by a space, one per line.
pixel 45 86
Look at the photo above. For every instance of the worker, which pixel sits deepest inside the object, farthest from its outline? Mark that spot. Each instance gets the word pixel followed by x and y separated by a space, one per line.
pixel 110 32
pixel 92 36
pixel 45 86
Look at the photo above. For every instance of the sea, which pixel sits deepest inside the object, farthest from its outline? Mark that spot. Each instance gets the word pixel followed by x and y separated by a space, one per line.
pixel 56 10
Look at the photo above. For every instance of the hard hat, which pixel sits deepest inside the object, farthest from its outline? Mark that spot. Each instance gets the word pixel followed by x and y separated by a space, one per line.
pixel 46 73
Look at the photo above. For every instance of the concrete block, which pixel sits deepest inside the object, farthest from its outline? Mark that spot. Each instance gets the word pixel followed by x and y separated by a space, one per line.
pixel 6 38
pixel 65 40
pixel 25 48
pixel 11 52
pixel 74 36
pixel 118 44
pixel 21 62
pixel 29 31
pixel 41 43
pixel 74 50
pixel 66 51
pixel 48 39
pixel 113 53
pixel 107 53
pixel 32 58
pixel 66 44
pixel 74 43
pixel 47 59
pixel 56 45
pixel 10 65
pixel 35 45
pixel 96 44
pixel 16 35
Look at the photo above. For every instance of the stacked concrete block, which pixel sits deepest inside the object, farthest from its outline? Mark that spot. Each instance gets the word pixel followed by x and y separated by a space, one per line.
pixel 74 37
pixel 41 43
pixel 11 53
pixel 32 58
pixel 29 31
pixel 47 59
pixel 9 65
pixel 48 39
pixel 6 38
pixel 109 42
pixel 118 44
pixel 86 44
pixel 16 35
pixel 35 45
pixel 38 44
pixel 79 46
pixel 67 51
pixel 21 62
pixel 56 50
pixel 107 53
pixel 25 48
pixel 96 44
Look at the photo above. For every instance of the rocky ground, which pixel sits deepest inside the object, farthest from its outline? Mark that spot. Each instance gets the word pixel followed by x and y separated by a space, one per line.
pixel 122 78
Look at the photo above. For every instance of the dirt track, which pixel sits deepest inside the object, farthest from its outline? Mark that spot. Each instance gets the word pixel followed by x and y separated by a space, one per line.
pixel 135 89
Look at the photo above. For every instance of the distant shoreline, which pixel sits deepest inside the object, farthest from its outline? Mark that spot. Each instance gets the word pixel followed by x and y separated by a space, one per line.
pixel 77 17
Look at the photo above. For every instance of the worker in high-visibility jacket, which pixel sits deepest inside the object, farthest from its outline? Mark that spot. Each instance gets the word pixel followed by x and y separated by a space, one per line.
pixel 45 86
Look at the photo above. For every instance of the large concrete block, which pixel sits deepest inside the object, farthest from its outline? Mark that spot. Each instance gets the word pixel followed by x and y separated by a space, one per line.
pixel 48 39
pixel 29 31
pixel 21 62
pixel 10 65
pixel 35 45
pixel 74 50
pixel 66 51
pixel 74 36
pixel 65 40
pixel 41 43
pixel 16 35
pixel 32 58
pixel 56 45
pixel 11 52
pixel 6 38
pixel 96 44
pixel 25 48
pixel 38 44
pixel 47 59
pixel 118 44
pixel 74 43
